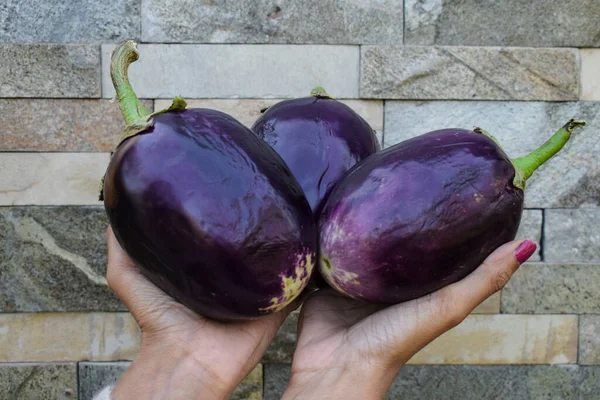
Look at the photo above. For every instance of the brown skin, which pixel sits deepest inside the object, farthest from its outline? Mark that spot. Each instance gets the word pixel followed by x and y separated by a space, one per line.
pixel 346 348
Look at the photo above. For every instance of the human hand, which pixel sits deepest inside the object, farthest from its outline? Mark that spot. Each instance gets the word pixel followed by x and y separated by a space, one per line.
pixel 349 349
pixel 183 355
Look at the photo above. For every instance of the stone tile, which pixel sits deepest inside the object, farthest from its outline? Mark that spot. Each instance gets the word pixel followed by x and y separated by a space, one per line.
pixel 505 339
pixel 590 78
pixel 572 235
pixel 277 377
pixel 570 23
pixel 262 21
pixel 54 259
pixel 68 337
pixel 531 228
pixel 51 178
pixel 283 346
pixel 473 382
pixel 60 125
pixel 553 289
pixel 469 73
pixel 88 21
pixel 49 70
pixel 248 110
pixel 38 381
pixel 259 71
pixel 589 339
pixel 251 387
pixel 489 306
pixel 94 376
pixel 569 179
pixel 497 382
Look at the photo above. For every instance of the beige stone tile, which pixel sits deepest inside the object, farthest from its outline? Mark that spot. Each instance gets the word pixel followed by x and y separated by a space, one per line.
pixel 490 306
pixel 68 337
pixel 505 339
pixel 60 124
pixel 590 74
pixel 51 178
pixel 248 110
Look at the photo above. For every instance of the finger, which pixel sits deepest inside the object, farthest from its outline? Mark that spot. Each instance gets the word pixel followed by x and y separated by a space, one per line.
pixel 134 289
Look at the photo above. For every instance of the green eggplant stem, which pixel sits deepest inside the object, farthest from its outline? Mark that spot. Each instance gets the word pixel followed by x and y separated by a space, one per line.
pixel 131 107
pixel 320 92
pixel 528 164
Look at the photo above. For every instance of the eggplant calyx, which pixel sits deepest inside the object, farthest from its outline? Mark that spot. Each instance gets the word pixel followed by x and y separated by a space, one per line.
pixel 320 93
pixel 526 166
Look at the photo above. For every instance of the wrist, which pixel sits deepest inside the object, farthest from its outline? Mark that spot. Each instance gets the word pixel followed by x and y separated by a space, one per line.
pixel 169 373
pixel 349 381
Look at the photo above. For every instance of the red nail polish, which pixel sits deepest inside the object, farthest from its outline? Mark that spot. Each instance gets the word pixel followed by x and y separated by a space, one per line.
pixel 524 251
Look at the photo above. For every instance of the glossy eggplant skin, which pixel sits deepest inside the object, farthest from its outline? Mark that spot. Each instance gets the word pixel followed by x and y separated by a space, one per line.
pixel 320 139
pixel 212 215
pixel 418 216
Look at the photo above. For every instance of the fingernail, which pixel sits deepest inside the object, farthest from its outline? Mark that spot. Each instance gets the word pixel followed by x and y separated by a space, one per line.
pixel 524 251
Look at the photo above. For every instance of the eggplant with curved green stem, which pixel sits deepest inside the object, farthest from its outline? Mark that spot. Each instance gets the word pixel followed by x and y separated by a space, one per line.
pixel 210 213
pixel 425 213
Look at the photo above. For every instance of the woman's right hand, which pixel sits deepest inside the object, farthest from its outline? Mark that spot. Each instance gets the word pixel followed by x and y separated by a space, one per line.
pixel 349 349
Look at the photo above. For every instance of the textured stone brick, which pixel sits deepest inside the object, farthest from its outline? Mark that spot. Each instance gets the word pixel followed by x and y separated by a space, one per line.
pixel 570 23
pixel 68 337
pixel 237 71
pixel 51 178
pixel 572 235
pixel 531 228
pixel 505 339
pixel 469 73
pixel 569 179
pixel 589 339
pixel 590 77
pixel 49 70
pixel 248 110
pixel 82 21
pixel 54 259
pixel 553 289
pixel 60 125
pixel 94 376
pixel 37 381
pixel 262 21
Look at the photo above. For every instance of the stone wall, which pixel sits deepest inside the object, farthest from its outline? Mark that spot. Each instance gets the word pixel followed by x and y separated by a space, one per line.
pixel 518 68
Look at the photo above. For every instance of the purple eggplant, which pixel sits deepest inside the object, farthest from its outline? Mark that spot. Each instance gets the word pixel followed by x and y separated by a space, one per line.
pixel 319 138
pixel 424 213
pixel 209 212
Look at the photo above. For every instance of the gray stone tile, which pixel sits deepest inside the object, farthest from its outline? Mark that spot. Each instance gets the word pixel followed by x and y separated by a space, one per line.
pixel 56 21
pixel 590 79
pixel 572 235
pixel 570 23
pixel 531 229
pixel 569 179
pixel 589 339
pixel 49 70
pixel 94 376
pixel 238 71
pixel 263 21
pixel 54 259
pixel 283 346
pixel 467 382
pixel 60 124
pixel 38 381
pixel 469 73
pixel 553 289
pixel 276 380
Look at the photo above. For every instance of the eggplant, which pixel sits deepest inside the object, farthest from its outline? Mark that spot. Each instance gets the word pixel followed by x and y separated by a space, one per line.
pixel 210 213
pixel 319 138
pixel 424 213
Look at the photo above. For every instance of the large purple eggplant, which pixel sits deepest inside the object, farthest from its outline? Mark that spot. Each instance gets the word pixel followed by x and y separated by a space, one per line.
pixel 208 210
pixel 424 213
pixel 319 138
